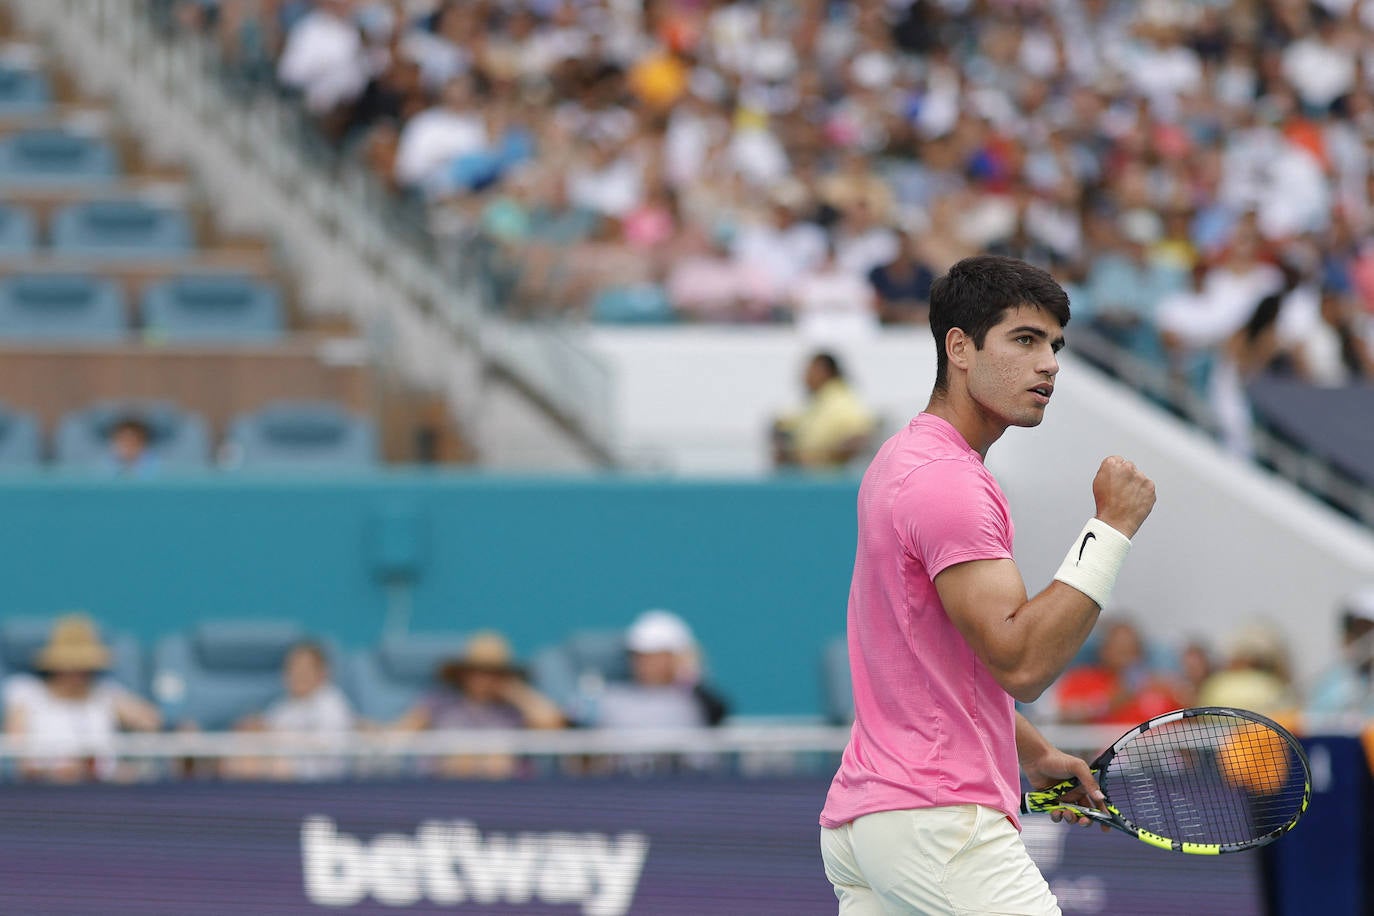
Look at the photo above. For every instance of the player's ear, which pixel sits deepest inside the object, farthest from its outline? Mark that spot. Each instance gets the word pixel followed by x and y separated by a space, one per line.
pixel 957 347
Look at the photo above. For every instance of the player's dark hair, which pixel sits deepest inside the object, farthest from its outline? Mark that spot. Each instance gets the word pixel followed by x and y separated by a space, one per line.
pixel 976 292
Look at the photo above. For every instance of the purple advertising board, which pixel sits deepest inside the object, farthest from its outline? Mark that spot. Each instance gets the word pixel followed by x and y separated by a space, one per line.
pixel 548 846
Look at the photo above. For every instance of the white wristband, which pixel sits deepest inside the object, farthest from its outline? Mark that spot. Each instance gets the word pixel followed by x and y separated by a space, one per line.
pixel 1094 560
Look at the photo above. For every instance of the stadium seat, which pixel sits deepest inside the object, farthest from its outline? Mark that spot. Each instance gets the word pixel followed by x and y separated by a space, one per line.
pixel 386 680
pixel 303 435
pixel 66 307
pixel 23 91
pixel 21 637
pixel 223 670
pixel 21 444
pixel 180 439
pixel 52 156
pixel 639 303
pixel 560 671
pixel 18 232
pixel 836 687
pixel 121 229
pixel 212 308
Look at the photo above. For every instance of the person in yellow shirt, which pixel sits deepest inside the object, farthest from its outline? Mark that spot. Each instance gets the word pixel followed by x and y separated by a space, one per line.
pixel 834 426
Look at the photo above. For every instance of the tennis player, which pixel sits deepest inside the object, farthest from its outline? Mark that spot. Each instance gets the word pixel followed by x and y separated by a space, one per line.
pixel 922 815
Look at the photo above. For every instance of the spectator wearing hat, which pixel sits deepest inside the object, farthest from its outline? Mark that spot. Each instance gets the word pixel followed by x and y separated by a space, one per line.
pixel 67 712
pixel 484 688
pixel 1346 689
pixel 665 689
pixel 1256 675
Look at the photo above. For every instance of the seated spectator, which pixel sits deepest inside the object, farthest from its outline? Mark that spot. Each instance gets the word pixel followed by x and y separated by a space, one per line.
pixel 1195 666
pixel 902 285
pixel 832 302
pixel 431 141
pixel 324 57
pixel 67 711
pixel 1125 282
pixel 832 429
pixel 1347 687
pixel 1256 675
pixel 666 690
pixel 1120 687
pixel 483 688
pixel 312 705
pixel 705 283
pixel 131 453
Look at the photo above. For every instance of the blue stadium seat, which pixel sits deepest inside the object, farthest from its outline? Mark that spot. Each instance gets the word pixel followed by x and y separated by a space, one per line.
pixel 836 686
pixel 386 680
pixel 640 303
pixel 66 307
pixel 213 308
pixel 223 670
pixel 18 232
pixel 180 439
pixel 23 91
pixel 121 229
pixel 21 440
pixel 289 435
pixel 21 637
pixel 559 671
pixel 53 156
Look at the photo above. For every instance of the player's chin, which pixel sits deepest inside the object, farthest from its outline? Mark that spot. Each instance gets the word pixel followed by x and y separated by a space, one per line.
pixel 1030 418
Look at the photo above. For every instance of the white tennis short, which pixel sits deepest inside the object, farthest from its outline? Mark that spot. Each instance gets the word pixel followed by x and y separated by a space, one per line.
pixel 959 860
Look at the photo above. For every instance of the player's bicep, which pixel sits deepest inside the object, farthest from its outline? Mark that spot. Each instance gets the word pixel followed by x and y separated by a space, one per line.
pixel 981 597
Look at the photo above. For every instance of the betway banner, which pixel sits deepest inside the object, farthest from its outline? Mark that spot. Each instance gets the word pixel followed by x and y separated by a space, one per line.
pixel 591 847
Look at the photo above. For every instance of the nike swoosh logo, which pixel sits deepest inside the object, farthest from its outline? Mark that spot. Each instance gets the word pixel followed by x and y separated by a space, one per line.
pixel 1086 538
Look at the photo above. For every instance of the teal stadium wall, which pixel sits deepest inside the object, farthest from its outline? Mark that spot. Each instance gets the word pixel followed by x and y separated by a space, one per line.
pixel 759 568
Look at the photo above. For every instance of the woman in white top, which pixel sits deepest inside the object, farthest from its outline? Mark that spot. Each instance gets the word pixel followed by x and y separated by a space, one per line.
pixel 68 712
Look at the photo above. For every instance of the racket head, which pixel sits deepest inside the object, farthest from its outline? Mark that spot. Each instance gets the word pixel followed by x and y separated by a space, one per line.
pixel 1206 780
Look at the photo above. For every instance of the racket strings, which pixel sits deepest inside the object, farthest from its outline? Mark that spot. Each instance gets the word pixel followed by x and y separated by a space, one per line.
pixel 1207 779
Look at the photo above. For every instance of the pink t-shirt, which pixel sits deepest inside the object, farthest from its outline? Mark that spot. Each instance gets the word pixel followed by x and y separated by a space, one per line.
pixel 932 726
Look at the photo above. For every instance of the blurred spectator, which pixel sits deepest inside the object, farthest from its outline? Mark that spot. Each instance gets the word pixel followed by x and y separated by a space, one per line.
pixel 1126 281
pixel 1256 674
pixel 324 57
pixel 666 688
pixel 1195 666
pixel 832 429
pixel 1347 687
pixel 312 705
pixel 131 452
pixel 69 712
pixel 1120 687
pixel 834 303
pixel 483 688
pixel 431 141
pixel 902 285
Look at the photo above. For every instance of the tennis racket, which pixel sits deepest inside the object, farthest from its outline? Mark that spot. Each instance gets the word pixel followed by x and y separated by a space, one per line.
pixel 1203 781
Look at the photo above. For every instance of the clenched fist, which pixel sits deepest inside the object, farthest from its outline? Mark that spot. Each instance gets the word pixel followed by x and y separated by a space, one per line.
pixel 1124 495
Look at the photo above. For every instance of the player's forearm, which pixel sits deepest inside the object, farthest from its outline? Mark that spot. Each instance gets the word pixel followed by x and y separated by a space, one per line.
pixel 1030 744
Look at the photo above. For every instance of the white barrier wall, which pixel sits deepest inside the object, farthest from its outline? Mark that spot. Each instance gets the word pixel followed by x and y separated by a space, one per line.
pixel 1226 544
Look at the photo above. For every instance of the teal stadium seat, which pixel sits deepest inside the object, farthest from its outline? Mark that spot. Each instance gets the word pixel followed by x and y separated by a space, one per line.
pixel 304 435
pixel 214 309
pixel 560 671
pixel 638 303
pixel 837 688
pixel 223 670
pixel 23 91
pixel 386 680
pixel 18 232
pixel 21 440
pixel 71 308
pixel 49 157
pixel 21 637
pixel 180 439
pixel 122 229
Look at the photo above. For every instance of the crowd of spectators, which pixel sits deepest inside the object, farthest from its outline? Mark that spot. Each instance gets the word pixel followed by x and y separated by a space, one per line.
pixel 1174 163
pixel 68 709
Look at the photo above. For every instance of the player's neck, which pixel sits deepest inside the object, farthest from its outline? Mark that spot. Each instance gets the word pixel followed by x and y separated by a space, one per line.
pixel 977 428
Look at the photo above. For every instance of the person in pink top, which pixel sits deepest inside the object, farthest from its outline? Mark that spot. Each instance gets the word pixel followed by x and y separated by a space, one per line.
pixel 922 815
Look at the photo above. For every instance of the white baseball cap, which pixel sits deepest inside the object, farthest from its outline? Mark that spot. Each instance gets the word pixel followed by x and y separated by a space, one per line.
pixel 1360 604
pixel 659 631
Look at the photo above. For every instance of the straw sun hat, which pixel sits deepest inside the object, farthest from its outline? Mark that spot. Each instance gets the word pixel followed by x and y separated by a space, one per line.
pixel 74 645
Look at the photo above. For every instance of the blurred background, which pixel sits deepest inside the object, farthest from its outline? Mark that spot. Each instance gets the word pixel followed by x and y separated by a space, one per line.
pixel 430 429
